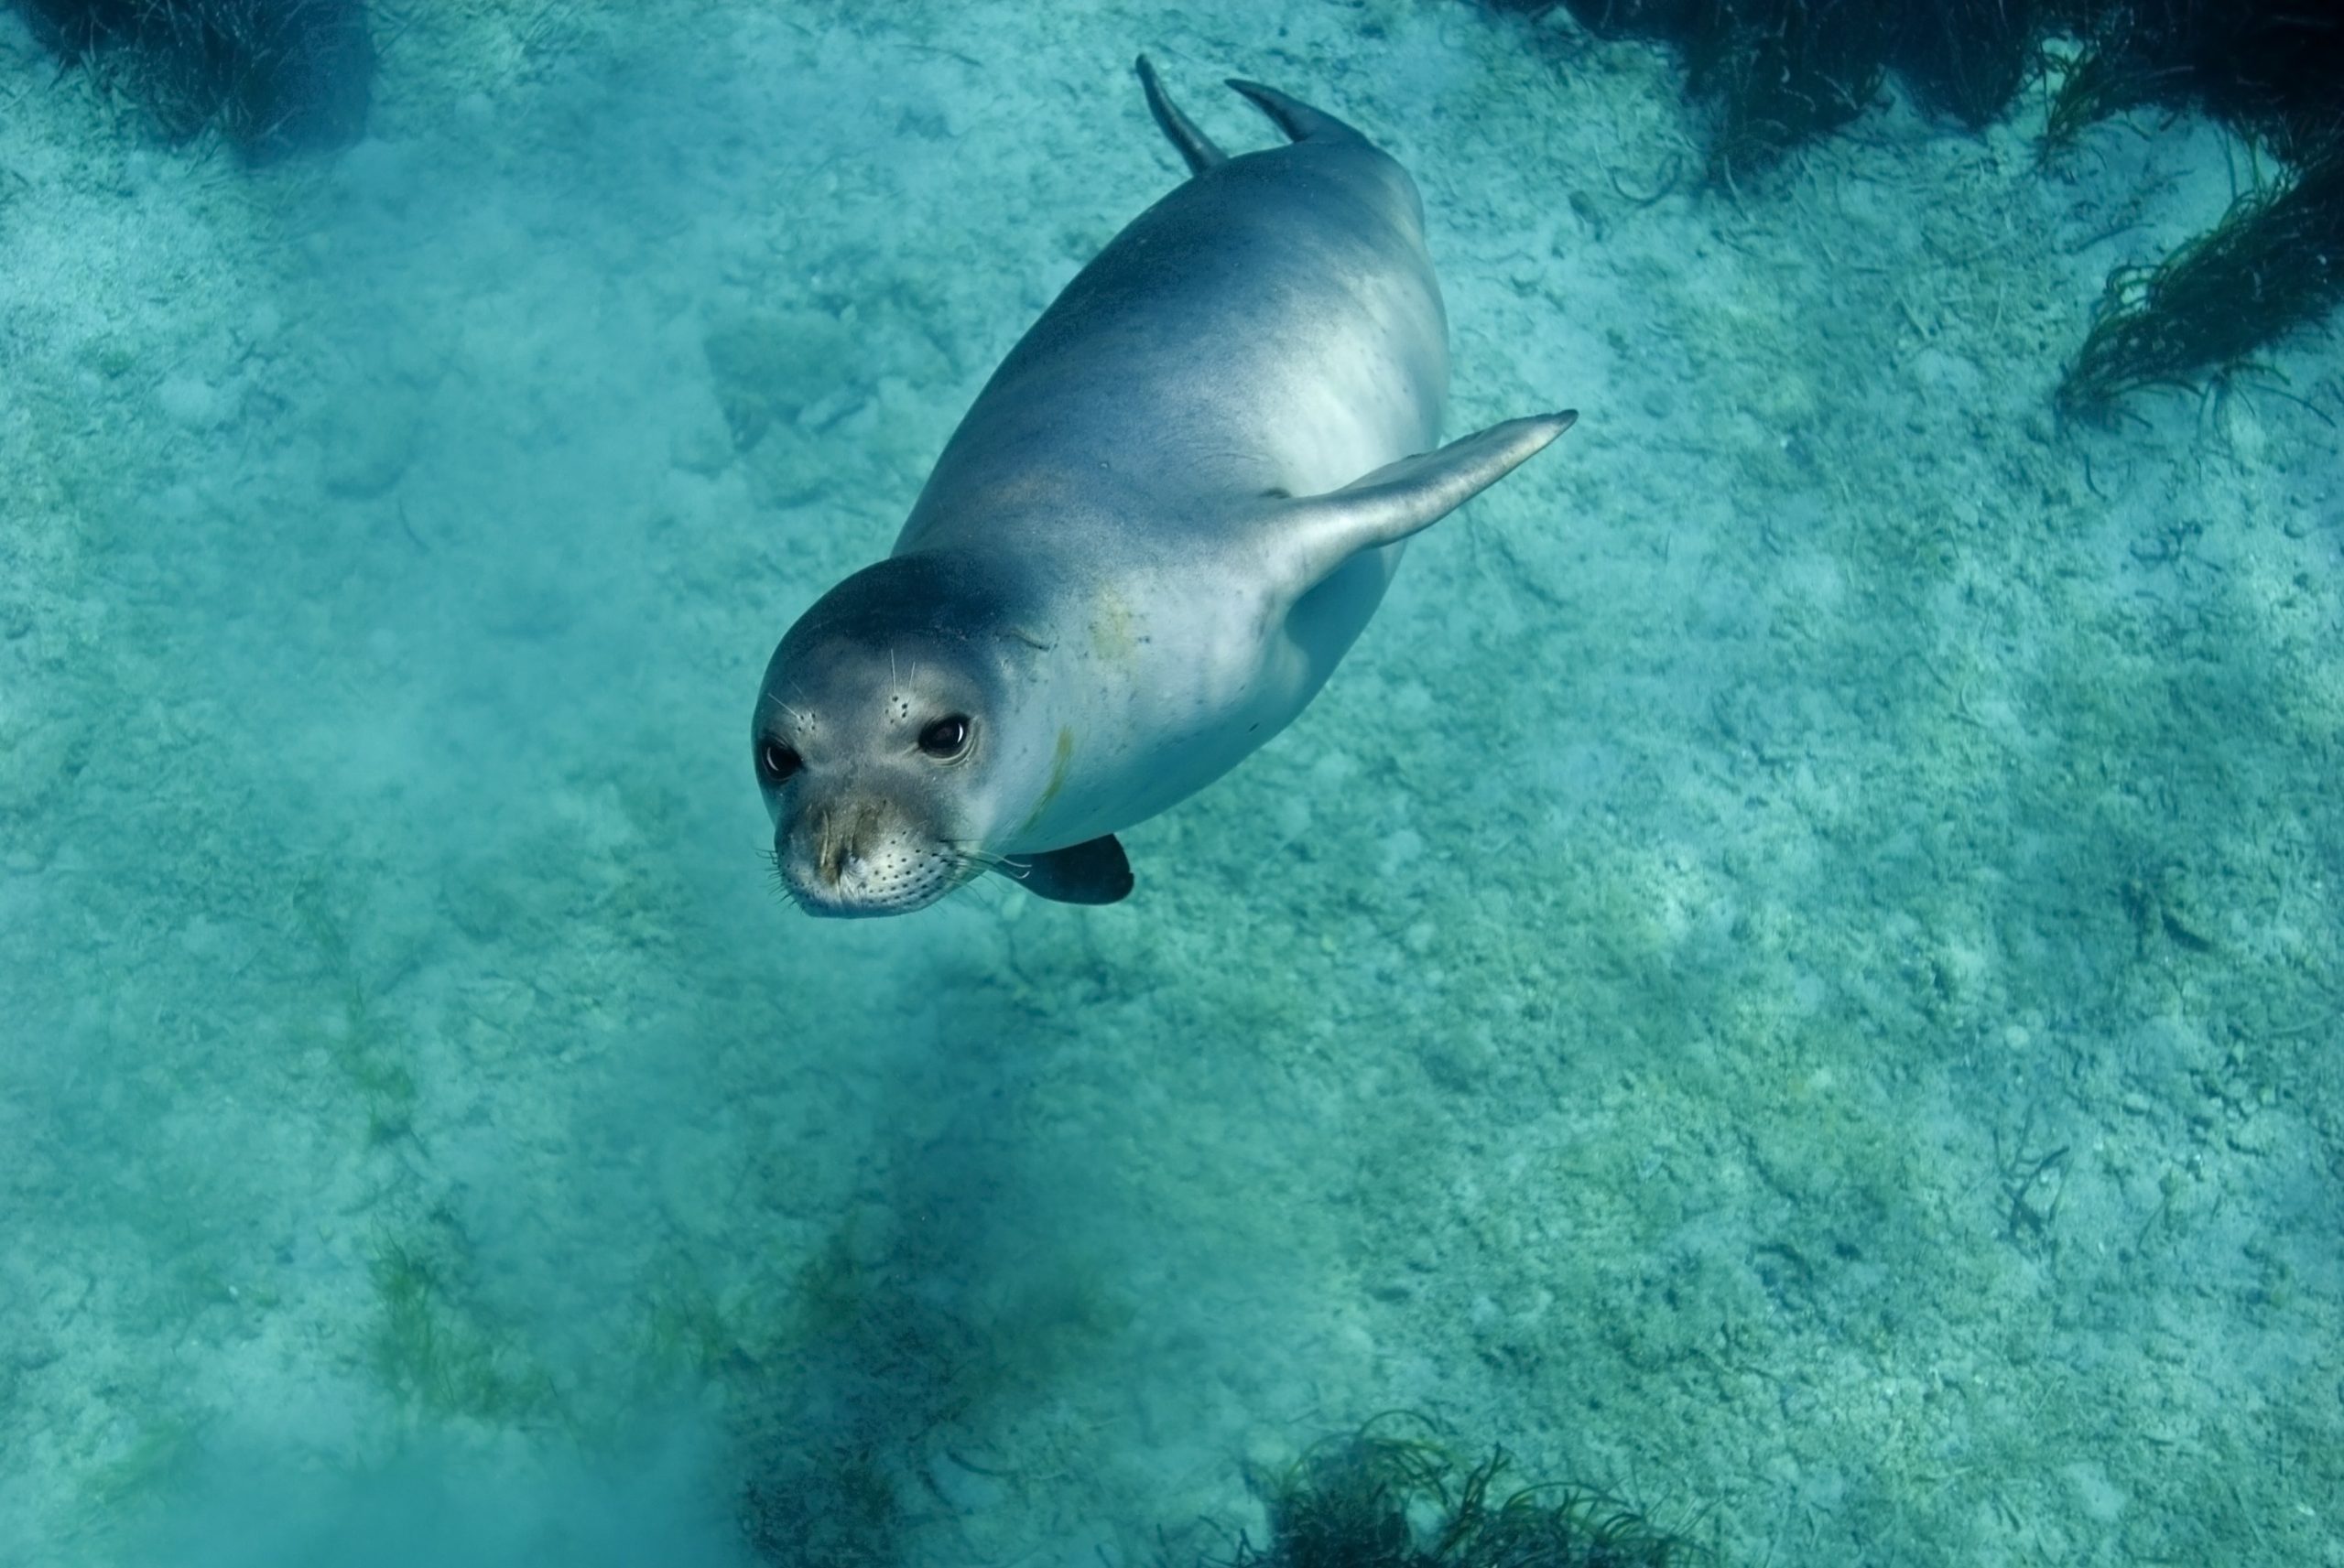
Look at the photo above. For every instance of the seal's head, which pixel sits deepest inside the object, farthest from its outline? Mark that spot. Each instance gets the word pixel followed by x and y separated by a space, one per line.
pixel 883 738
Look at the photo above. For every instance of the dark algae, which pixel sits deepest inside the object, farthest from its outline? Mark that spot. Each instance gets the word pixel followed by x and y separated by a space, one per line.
pixel 1773 75
pixel 1393 1494
pixel 2274 263
pixel 2271 265
pixel 274 77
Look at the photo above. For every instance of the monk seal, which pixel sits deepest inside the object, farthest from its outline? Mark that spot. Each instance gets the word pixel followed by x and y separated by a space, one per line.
pixel 1155 532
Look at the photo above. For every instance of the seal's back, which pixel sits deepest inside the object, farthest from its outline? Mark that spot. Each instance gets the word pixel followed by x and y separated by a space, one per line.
pixel 1271 327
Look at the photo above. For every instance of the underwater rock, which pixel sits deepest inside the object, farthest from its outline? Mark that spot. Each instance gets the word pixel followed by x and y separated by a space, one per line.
pixel 769 367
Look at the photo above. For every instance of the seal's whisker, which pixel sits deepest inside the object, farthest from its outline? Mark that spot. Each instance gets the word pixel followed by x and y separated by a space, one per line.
pixel 967 885
pixel 965 853
pixel 771 700
pixel 777 878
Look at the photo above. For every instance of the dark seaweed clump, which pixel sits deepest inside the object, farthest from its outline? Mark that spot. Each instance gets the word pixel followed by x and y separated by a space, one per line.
pixel 1375 1499
pixel 1781 73
pixel 2272 69
pixel 1772 73
pixel 1969 58
pixel 274 76
pixel 1777 74
pixel 2274 264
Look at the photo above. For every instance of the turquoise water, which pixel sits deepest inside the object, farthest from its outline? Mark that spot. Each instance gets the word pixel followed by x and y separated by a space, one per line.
pixel 1793 974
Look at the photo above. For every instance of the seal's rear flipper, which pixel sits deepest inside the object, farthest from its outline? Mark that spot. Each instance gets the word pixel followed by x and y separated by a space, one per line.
pixel 1178 129
pixel 1298 120
pixel 1319 533
pixel 1092 872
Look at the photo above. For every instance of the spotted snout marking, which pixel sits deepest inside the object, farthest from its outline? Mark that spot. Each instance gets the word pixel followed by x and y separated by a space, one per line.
pixel 863 860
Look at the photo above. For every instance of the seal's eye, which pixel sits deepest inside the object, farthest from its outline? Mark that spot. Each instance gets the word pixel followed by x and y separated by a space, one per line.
pixel 776 763
pixel 947 738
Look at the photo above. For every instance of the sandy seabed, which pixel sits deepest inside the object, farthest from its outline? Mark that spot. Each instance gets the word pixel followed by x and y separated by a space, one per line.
pixel 1795 973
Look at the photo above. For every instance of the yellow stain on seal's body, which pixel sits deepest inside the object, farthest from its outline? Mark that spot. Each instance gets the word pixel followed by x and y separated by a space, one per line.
pixel 1114 629
pixel 1060 762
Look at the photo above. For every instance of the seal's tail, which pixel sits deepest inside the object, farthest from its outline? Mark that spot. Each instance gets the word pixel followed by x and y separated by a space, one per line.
pixel 1300 121
pixel 1178 129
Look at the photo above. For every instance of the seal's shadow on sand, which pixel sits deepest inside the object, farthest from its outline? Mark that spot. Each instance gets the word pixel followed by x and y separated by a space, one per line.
pixel 974 1268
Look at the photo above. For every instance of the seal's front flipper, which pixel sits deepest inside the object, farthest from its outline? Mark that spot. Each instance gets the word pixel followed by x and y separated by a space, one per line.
pixel 1092 872
pixel 1319 532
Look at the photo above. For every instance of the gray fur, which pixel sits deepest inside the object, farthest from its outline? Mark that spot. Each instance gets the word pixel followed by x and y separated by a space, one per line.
pixel 1161 525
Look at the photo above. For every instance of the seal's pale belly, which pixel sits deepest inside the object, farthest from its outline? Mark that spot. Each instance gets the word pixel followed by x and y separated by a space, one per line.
pixel 1206 683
